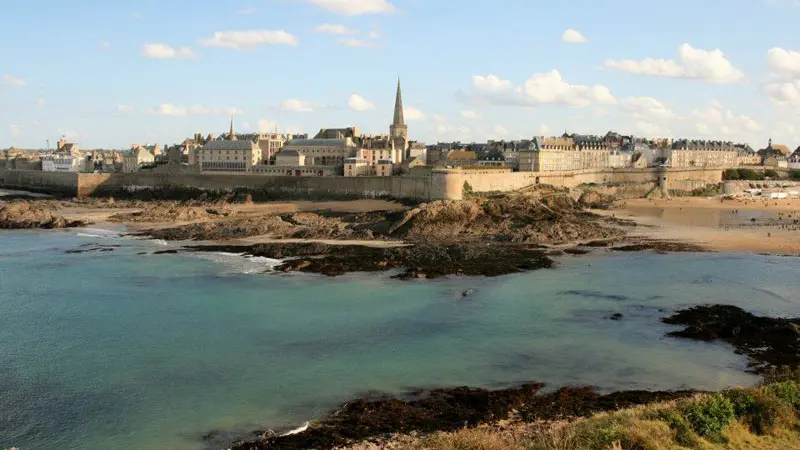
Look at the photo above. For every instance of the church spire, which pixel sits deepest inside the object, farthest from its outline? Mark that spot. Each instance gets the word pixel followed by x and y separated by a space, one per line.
pixel 398 107
pixel 231 135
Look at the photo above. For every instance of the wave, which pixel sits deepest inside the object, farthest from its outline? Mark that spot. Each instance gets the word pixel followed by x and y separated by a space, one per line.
pixel 240 262
pixel 98 233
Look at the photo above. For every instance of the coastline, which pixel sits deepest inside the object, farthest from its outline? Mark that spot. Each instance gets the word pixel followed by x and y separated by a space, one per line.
pixel 651 231
pixel 724 226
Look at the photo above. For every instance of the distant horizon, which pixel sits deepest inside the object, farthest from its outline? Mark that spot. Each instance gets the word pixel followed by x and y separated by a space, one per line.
pixel 483 73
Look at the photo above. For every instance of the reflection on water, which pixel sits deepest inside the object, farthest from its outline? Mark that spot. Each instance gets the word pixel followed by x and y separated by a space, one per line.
pixel 131 351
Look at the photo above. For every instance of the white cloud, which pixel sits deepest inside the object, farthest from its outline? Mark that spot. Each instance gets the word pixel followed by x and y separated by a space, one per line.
pixel 784 93
pixel 354 7
pixel 784 87
pixel 336 29
pixel 10 80
pixel 573 37
pixel 359 103
pixel 692 63
pixel 500 131
pixel 125 110
pixel 650 129
pixel 168 109
pixel 543 130
pixel 105 45
pixel 784 62
pixel 296 105
pixel 15 130
pixel 246 39
pixel 352 42
pixel 647 108
pixel 163 51
pixel 446 132
pixel 469 114
pixel 539 89
pixel 374 34
pixel 246 11
pixel 724 123
pixel 411 114
pixel 265 126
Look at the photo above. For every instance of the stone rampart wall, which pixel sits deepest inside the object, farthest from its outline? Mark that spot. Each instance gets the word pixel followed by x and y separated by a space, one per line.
pixel 436 185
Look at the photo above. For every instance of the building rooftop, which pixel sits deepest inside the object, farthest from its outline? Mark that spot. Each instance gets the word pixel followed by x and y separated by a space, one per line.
pixel 286 152
pixel 343 143
pixel 229 145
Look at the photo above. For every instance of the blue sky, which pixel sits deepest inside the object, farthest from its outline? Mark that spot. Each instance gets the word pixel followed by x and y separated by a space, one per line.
pixel 109 74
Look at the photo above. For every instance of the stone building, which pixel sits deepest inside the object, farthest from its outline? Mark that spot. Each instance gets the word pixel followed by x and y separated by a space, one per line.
pixel 776 162
pixel 746 156
pixel 357 167
pixel 548 155
pixel 323 151
pixel 62 162
pixel 289 157
pixel 229 155
pixel 690 153
pixel 384 168
pixel 794 160
pixel 138 157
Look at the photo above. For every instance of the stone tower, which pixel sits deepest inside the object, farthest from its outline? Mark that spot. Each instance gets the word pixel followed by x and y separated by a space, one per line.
pixel 232 135
pixel 398 131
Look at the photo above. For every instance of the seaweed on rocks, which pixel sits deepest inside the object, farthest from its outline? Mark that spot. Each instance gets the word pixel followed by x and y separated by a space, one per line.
pixel 769 342
pixel 451 409
pixel 418 261
pixel 660 246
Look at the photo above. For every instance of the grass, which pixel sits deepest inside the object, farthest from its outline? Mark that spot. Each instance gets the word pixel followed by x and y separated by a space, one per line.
pixel 766 417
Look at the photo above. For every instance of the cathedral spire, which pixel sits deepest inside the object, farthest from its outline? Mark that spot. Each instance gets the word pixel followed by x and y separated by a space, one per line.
pixel 231 135
pixel 398 107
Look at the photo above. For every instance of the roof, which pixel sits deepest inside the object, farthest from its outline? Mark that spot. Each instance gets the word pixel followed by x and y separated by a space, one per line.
pixel 461 155
pixel 229 145
pixel 782 148
pixel 320 143
pixel 285 152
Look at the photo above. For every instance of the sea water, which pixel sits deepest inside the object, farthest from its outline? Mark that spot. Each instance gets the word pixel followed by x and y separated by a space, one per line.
pixel 125 349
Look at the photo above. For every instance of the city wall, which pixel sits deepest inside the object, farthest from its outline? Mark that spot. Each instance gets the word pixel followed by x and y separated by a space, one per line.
pixel 437 184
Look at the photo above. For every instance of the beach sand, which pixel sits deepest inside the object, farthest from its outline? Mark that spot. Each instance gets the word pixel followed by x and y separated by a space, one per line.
pixel 753 225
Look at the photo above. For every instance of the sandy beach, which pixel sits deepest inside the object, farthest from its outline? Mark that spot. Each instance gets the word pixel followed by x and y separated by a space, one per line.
pixel 753 225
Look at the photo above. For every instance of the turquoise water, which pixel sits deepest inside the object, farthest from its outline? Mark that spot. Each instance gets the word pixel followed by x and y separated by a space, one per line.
pixel 128 351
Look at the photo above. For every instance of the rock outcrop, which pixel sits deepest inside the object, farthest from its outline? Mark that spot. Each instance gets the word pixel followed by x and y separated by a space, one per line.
pixel 22 214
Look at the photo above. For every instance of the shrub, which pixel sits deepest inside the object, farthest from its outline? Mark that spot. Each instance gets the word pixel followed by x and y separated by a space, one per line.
pixel 787 391
pixel 742 400
pixel 771 173
pixel 794 175
pixel 731 174
pixel 768 413
pixel 710 415
pixel 466 190
pixel 677 422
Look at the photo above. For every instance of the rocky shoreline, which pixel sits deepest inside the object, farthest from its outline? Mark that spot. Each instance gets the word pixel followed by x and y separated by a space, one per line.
pixel 772 343
pixel 427 411
pixel 768 342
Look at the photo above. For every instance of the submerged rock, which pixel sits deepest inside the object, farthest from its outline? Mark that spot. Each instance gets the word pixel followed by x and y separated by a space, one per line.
pixel 769 342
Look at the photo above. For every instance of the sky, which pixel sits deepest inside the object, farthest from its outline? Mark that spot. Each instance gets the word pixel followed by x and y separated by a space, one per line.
pixel 110 74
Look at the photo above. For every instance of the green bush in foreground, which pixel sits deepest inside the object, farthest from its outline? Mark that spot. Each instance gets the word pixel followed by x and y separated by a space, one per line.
pixel 788 391
pixel 710 415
